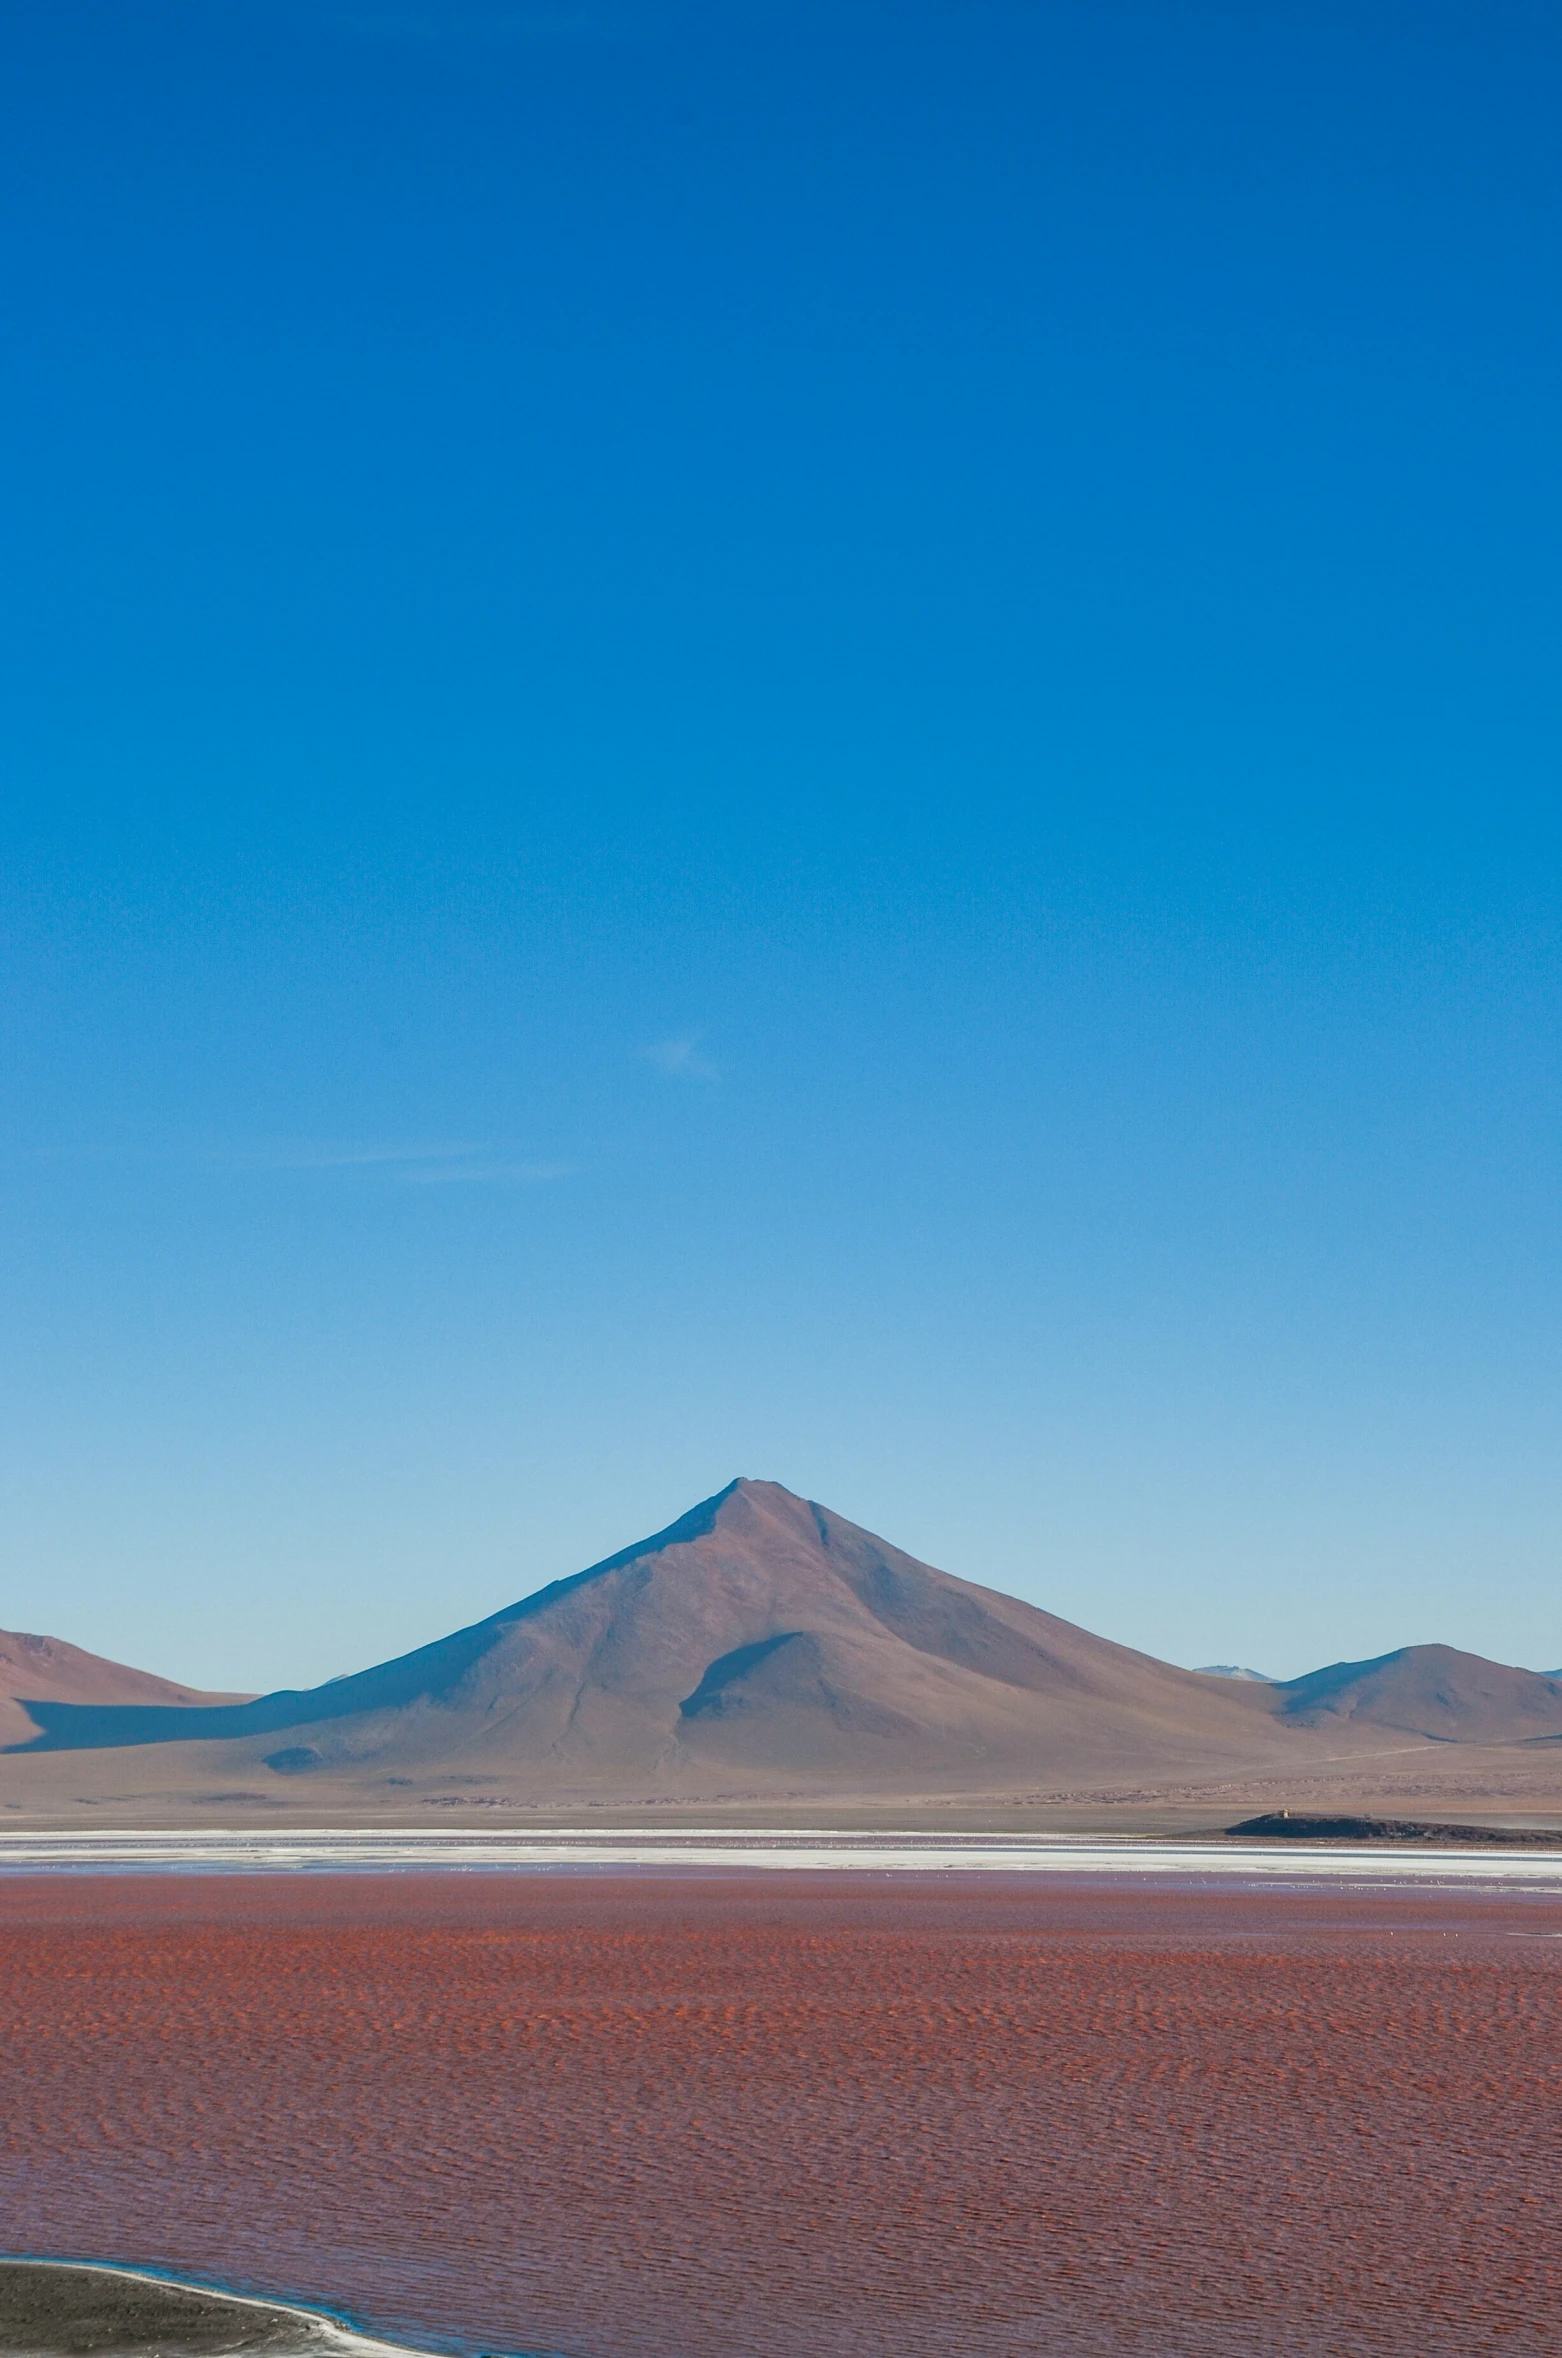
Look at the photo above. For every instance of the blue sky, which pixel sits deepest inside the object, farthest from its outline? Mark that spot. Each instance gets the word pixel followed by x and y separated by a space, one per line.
pixel 809 741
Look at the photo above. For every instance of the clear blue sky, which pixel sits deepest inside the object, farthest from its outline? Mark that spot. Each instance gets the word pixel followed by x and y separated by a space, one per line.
pixel 805 740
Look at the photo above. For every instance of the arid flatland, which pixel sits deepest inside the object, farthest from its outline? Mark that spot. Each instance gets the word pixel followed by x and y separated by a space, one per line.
pixel 617 2117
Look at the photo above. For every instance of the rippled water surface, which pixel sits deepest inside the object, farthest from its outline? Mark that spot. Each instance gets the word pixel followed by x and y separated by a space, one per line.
pixel 764 2116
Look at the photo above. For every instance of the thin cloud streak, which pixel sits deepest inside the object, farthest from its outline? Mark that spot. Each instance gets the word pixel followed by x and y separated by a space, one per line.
pixel 416 1164
pixel 306 1154
pixel 682 1058
pixel 517 1174
pixel 480 1163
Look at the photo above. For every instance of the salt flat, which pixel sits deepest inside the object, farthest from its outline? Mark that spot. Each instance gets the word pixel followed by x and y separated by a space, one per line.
pixel 818 1850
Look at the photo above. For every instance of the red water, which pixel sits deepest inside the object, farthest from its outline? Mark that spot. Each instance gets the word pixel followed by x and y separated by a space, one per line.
pixel 793 2117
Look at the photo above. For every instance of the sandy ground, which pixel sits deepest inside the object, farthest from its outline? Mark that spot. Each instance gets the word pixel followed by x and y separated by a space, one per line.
pixel 59 2310
pixel 195 1785
pixel 770 2117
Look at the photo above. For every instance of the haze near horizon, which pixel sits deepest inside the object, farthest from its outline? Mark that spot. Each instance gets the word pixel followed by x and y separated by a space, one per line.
pixel 780 739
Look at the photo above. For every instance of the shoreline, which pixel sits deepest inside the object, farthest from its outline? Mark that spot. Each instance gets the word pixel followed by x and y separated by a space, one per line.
pixel 58 2308
pixel 719 1852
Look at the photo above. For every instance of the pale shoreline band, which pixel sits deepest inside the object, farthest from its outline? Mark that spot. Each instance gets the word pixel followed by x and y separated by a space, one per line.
pixel 193 2316
pixel 231 1850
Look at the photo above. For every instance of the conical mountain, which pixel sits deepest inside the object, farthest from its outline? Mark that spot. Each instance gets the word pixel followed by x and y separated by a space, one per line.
pixel 760 1639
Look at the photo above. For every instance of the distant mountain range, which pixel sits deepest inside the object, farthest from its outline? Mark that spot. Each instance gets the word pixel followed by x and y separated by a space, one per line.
pixel 763 1643
pixel 46 1670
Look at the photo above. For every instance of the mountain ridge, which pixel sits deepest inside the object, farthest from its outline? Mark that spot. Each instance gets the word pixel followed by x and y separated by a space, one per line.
pixel 810 1619
pixel 1431 1690
pixel 50 1669
pixel 762 1635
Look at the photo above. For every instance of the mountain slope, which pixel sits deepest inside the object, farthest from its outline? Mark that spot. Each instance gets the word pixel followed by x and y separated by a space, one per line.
pixel 758 1636
pixel 1431 1691
pixel 48 1671
pixel 762 1644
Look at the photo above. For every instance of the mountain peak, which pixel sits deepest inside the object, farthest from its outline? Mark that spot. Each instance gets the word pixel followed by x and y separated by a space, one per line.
pixel 762 1643
pixel 759 1488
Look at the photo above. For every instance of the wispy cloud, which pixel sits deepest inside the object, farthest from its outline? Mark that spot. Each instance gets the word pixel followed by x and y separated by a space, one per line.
pixel 682 1058
pixel 326 1154
pixel 407 1162
pixel 518 1174
pixel 418 1164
